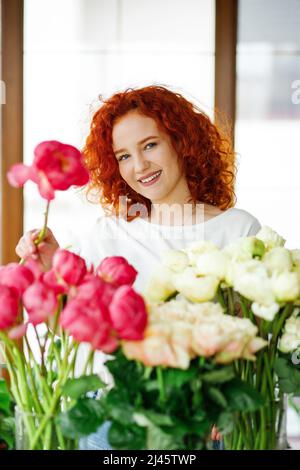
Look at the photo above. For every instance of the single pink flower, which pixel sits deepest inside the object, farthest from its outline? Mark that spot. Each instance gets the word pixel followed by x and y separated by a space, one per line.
pixel 69 267
pixel 117 270
pixel 128 313
pixel 16 276
pixel 9 305
pixel 56 166
pixel 40 302
pixel 88 324
pixel 95 290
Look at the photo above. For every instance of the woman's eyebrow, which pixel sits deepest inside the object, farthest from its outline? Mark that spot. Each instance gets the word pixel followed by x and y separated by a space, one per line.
pixel 139 143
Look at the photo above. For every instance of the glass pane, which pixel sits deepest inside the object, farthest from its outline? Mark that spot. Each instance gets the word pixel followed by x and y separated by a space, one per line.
pixel 76 50
pixel 267 126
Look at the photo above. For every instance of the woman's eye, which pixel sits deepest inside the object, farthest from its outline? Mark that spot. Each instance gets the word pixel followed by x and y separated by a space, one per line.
pixel 151 143
pixel 123 157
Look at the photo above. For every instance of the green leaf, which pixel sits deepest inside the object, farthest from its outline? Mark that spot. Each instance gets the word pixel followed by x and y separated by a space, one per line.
pixel 127 437
pixel 219 376
pixel 75 388
pixel 225 422
pixel 287 386
pixel 242 397
pixel 217 396
pixel 126 373
pixel 157 439
pixel 158 419
pixel 281 367
pixel 83 419
pixel 4 396
pixel 176 378
pixel 7 430
pixel 295 377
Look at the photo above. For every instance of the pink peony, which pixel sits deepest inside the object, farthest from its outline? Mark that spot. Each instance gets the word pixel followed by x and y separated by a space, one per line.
pixel 34 267
pixel 96 290
pixel 89 323
pixel 117 270
pixel 16 276
pixel 69 267
pixel 9 305
pixel 49 278
pixel 40 302
pixel 128 313
pixel 56 166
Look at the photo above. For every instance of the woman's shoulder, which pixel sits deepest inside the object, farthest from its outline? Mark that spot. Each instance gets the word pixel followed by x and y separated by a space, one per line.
pixel 241 217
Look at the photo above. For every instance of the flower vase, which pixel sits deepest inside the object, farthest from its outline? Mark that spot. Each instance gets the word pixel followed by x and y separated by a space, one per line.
pixel 39 432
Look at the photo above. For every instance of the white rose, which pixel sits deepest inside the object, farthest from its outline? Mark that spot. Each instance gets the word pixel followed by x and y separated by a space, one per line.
pixel 160 285
pixel 288 343
pixel 278 259
pixel 270 237
pixel 251 280
pixel 285 286
pixel 238 251
pixel 266 312
pixel 292 326
pixel 213 263
pixel 196 289
pixel 176 260
pixel 296 257
pixel 193 250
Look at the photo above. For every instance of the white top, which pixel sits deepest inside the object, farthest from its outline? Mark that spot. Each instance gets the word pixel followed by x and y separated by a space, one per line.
pixel 141 242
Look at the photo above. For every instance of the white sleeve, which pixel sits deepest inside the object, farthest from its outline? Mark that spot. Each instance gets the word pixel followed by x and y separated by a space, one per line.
pixel 98 242
pixel 254 228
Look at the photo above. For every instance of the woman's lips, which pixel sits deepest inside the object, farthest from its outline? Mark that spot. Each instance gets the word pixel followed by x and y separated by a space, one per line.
pixel 152 181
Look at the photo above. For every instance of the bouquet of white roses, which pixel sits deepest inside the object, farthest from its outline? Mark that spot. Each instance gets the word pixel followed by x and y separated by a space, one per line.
pixel 258 279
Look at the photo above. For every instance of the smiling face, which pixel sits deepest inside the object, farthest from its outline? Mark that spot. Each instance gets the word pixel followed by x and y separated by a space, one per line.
pixel 147 160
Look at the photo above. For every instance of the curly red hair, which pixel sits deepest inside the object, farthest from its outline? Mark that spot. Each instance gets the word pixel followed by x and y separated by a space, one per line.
pixel 206 156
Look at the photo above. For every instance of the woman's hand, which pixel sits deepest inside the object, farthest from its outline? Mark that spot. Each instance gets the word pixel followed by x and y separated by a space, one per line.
pixel 43 253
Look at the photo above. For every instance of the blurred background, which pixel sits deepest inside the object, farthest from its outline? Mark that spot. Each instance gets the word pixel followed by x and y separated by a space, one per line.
pixel 241 57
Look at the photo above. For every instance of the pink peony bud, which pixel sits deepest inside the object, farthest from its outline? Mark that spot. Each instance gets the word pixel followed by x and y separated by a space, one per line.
pixel 117 270
pixel 9 305
pixel 69 267
pixel 128 313
pixel 40 302
pixel 16 276
pixel 88 324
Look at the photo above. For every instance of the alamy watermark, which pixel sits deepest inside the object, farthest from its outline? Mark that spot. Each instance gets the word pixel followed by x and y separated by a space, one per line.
pixel 296 357
pixel 296 94
pixel 169 221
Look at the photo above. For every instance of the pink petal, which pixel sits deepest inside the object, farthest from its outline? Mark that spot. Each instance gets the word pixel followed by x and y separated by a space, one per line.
pixel 18 331
pixel 18 175
pixel 45 188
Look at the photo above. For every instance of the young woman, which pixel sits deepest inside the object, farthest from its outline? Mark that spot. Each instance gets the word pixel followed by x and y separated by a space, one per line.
pixel 164 175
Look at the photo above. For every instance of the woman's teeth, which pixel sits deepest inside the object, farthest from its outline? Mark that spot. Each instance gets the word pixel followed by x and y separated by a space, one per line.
pixel 146 180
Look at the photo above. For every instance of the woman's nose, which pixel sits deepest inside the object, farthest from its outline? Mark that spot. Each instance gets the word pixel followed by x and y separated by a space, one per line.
pixel 140 164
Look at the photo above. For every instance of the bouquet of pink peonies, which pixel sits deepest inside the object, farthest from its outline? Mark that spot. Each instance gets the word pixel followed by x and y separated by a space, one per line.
pixel 44 316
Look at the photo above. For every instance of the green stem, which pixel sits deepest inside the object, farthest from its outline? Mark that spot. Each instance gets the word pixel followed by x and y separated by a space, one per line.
pixel 159 375
pixel 42 232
